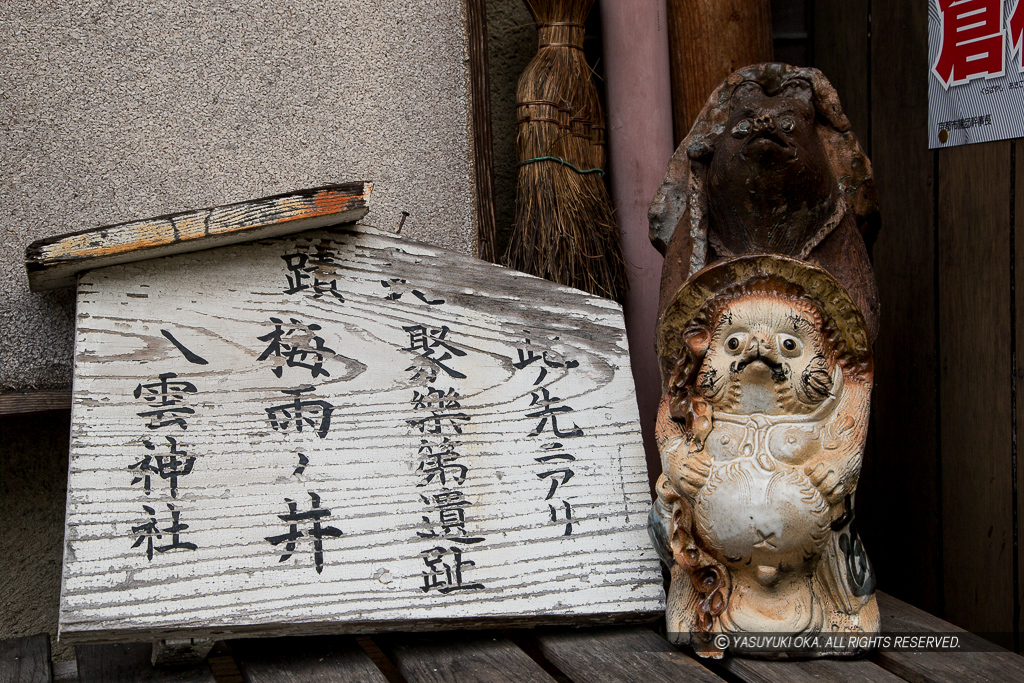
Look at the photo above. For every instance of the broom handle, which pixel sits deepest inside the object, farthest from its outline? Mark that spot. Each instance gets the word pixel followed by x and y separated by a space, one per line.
pixel 549 33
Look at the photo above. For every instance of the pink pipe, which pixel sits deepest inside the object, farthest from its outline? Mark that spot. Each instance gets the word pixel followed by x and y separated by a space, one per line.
pixel 638 89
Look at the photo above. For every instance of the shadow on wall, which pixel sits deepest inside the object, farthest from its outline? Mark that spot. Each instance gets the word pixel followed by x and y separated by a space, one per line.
pixel 33 480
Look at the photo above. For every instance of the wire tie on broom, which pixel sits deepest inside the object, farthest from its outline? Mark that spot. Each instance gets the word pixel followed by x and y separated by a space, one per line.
pixel 563 162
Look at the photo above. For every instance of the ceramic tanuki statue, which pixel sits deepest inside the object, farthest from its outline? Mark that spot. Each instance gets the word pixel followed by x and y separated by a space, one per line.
pixel 770 166
pixel 768 368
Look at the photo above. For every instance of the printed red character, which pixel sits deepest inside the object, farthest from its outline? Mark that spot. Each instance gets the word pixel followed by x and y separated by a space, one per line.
pixel 1015 32
pixel 972 40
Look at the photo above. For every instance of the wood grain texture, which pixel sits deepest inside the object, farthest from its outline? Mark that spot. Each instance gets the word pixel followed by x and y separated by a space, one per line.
pixel 1018 228
pixel 34 402
pixel 467 475
pixel 483 143
pixel 485 657
pixel 974 345
pixel 25 660
pixel 708 40
pixel 621 654
pixel 901 518
pixel 54 261
pixel 790 32
pixel 810 671
pixel 129 663
pixel 324 659
pixel 841 39
pixel 899 617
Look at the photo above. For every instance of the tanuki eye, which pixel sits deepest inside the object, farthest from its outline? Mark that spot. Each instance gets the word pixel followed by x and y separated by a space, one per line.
pixel 789 345
pixel 741 129
pixel 735 343
pixel 787 124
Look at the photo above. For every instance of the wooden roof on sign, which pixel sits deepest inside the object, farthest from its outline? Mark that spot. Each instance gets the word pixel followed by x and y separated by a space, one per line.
pixel 56 261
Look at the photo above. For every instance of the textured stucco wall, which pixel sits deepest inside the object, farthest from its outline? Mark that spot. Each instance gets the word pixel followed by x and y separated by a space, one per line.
pixel 116 110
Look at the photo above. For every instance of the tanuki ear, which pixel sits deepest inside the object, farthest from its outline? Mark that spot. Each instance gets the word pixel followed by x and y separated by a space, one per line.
pixel 698 339
pixel 701 150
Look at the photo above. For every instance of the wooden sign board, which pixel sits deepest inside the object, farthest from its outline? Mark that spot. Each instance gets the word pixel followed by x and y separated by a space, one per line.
pixel 344 431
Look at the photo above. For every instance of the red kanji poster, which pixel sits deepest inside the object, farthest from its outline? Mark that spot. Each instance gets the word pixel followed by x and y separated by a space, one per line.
pixel 976 75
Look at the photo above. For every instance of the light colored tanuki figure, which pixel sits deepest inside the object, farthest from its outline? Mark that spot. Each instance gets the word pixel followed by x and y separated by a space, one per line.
pixel 761 431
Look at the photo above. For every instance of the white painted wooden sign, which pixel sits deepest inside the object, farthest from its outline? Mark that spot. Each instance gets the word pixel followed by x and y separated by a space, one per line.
pixel 346 431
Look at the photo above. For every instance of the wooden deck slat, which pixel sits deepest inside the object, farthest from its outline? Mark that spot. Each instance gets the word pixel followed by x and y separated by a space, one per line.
pixel 55 261
pixel 34 402
pixel 621 654
pixel 809 671
pixel 130 663
pixel 25 660
pixel 461 657
pixel 323 659
pixel 900 617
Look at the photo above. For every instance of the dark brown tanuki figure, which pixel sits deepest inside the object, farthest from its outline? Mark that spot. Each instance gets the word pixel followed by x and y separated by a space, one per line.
pixel 768 312
pixel 770 167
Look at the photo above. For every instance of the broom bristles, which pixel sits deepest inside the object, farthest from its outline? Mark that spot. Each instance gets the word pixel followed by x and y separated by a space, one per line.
pixel 564 229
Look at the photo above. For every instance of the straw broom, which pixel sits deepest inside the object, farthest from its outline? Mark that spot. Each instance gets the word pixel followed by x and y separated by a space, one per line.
pixel 564 228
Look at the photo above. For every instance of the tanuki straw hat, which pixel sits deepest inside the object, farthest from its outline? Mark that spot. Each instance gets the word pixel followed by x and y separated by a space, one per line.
pixel 706 284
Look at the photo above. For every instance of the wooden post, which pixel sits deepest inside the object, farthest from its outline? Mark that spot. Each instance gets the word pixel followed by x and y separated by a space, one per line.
pixel 638 92
pixel 709 39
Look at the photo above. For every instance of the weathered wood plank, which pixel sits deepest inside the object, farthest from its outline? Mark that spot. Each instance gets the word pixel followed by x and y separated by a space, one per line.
pixel 841 52
pixel 468 447
pixel 223 665
pixel 55 261
pixel 485 657
pixel 791 42
pixel 621 654
pixel 324 659
pixel 67 672
pixel 708 40
pixel 901 526
pixel 34 402
pixel 25 660
pixel 974 345
pixel 130 663
pixel 1018 217
pixel 809 671
pixel 979 665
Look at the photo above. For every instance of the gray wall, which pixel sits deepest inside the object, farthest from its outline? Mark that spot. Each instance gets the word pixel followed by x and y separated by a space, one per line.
pixel 115 111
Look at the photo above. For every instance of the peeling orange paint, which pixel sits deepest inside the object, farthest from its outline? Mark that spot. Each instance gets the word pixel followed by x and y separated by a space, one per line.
pixel 200 224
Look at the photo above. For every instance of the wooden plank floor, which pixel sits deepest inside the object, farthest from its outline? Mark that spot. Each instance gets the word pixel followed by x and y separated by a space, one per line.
pixel 633 654
pixel 130 662
pixel 322 659
pixel 25 660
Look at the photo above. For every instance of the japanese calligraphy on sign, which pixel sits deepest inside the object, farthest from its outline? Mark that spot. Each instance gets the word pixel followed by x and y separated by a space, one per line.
pixel 976 76
pixel 347 428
